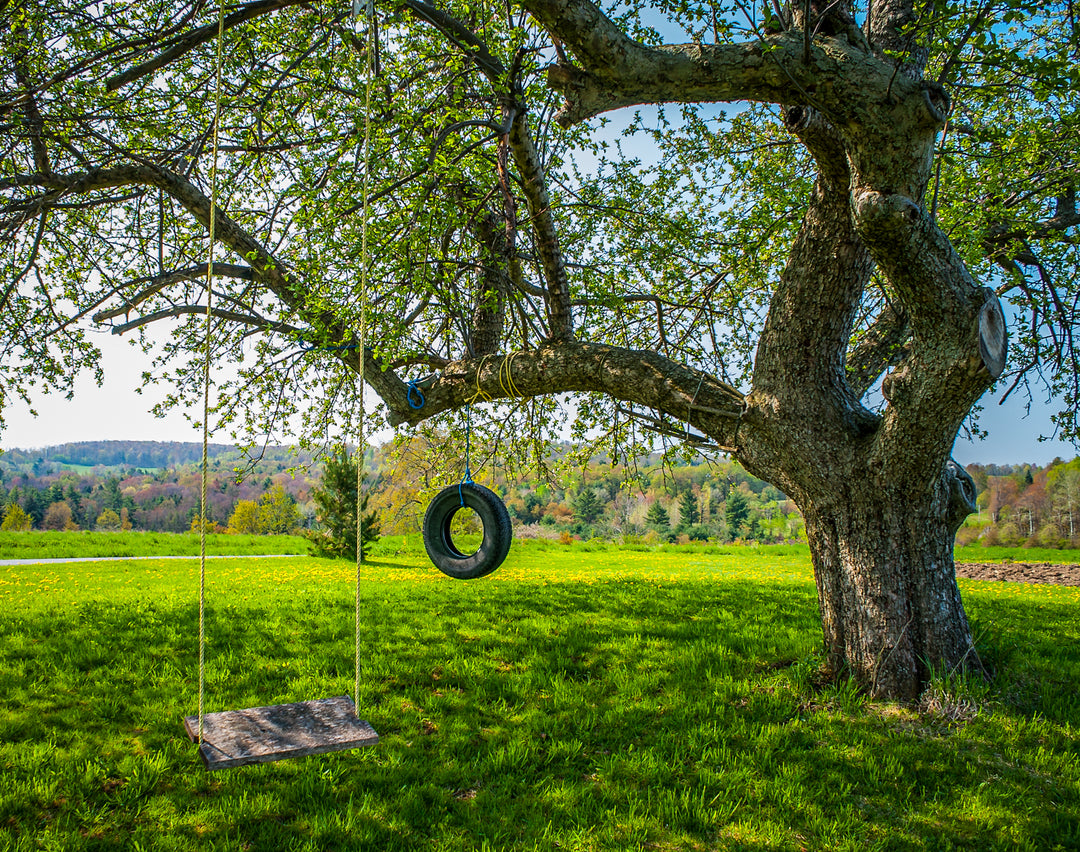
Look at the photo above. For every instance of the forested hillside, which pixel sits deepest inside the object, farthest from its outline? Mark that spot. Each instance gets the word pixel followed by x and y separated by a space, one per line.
pixel 138 485
pixel 155 486
pixel 1026 504
pixel 138 455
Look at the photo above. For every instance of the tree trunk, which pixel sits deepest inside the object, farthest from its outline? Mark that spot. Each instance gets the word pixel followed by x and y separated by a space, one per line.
pixel 890 607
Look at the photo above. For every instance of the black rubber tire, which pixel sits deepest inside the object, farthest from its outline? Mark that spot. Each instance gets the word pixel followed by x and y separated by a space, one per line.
pixel 498 531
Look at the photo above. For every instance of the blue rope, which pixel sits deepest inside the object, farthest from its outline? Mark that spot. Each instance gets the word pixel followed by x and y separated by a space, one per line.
pixel 414 389
pixel 311 347
pixel 467 479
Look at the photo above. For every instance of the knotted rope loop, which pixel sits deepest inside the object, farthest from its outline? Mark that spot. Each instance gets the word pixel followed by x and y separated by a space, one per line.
pixel 414 396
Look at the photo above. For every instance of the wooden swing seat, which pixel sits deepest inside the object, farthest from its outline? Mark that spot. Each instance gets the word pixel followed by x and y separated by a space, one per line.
pixel 264 734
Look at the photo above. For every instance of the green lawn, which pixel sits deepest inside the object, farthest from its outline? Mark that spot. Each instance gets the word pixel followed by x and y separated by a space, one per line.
pixel 52 545
pixel 67 545
pixel 580 698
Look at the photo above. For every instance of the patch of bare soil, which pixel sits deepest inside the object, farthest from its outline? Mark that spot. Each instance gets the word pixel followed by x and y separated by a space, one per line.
pixel 1021 572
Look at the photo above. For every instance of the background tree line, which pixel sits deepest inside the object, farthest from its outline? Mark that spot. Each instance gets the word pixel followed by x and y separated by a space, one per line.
pixel 97 488
pixel 1025 504
pixel 652 502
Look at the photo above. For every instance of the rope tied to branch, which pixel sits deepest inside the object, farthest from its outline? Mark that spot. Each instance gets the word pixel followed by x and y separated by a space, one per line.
pixel 414 390
pixel 481 394
pixel 205 462
pixel 508 386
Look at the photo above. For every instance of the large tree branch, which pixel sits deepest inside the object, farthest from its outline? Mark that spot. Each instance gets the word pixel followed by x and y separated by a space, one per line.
pixel 891 26
pixel 641 377
pixel 526 158
pixel 811 314
pixel 1001 243
pixel 534 185
pixel 934 286
pixel 157 283
pixel 264 266
pixel 879 348
pixel 823 143
pixel 616 71
pixel 958 341
pixel 461 37
pixel 185 42
pixel 200 310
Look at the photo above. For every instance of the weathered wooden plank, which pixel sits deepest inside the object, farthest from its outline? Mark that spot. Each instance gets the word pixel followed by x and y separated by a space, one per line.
pixel 263 734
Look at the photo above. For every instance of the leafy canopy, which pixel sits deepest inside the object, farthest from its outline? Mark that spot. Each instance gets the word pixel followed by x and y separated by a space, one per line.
pixel 675 221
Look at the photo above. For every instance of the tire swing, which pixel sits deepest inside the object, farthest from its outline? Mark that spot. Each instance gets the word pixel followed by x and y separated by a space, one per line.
pixel 439 544
pixel 498 531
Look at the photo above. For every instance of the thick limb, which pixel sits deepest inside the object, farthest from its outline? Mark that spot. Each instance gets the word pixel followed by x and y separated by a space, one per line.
pixel 641 377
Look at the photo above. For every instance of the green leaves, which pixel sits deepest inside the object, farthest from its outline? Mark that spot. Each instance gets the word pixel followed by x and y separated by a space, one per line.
pixel 1007 156
pixel 674 224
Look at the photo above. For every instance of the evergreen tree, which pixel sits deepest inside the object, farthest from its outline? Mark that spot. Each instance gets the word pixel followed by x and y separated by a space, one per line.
pixel 586 507
pixel 35 506
pixel 657 518
pixel 73 498
pixel 112 498
pixel 689 513
pixel 736 513
pixel 335 502
pixel 534 508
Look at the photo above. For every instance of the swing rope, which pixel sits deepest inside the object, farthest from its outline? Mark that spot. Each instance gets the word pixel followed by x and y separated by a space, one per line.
pixel 205 466
pixel 483 396
pixel 509 388
pixel 360 445
pixel 262 734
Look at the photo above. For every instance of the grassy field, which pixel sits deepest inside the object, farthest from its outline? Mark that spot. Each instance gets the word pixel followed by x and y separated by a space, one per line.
pixel 69 545
pixel 580 698
pixel 57 545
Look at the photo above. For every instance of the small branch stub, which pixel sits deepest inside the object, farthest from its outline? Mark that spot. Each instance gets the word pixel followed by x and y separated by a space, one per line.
pixel 993 335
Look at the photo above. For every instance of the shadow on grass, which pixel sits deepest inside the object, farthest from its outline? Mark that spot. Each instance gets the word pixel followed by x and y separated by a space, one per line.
pixel 515 716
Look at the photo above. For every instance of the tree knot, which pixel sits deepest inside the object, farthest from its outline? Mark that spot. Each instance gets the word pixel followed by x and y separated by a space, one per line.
pixel 937 101
pixel 885 212
pixel 961 495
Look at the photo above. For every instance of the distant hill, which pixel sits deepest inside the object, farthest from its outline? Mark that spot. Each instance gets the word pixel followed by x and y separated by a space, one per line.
pixel 148 485
pixel 130 454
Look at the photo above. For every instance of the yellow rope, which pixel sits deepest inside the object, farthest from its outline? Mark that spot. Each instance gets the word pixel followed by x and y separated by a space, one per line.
pixel 206 372
pixel 508 387
pixel 481 394
pixel 506 380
